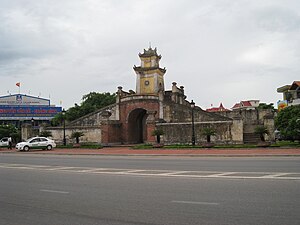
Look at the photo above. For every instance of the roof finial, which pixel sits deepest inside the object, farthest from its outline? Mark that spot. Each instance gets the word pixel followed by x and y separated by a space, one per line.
pixel 149 44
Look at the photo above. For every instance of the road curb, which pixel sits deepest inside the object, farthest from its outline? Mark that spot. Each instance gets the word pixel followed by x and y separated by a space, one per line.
pixel 156 155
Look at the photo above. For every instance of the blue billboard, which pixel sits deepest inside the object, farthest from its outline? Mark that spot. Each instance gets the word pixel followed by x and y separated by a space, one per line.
pixel 25 112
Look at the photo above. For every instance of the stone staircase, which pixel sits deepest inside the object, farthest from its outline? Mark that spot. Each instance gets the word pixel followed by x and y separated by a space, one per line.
pixel 251 138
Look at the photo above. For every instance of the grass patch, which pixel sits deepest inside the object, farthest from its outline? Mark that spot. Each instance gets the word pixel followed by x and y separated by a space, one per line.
pixel 286 144
pixel 234 146
pixel 215 146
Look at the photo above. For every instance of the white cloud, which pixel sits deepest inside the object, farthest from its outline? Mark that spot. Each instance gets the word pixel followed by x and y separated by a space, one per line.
pixel 221 51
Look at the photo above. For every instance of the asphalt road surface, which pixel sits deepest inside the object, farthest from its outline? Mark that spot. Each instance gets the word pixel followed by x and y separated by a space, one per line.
pixel 148 190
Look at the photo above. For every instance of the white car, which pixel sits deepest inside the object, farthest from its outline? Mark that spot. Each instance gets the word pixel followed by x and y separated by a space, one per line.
pixel 36 143
pixel 4 142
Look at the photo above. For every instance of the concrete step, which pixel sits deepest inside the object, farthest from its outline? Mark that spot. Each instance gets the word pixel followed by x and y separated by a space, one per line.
pixel 251 138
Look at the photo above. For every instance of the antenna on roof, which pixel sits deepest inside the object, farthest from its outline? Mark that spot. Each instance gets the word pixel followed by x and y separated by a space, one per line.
pixel 149 44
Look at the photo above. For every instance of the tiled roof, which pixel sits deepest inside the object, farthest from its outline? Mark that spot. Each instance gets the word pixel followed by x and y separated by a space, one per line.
pixel 142 69
pixel 295 85
pixel 236 105
pixel 245 103
pixel 149 52
pixel 217 109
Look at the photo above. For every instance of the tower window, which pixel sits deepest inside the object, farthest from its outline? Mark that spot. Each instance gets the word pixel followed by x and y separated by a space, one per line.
pixel 147 82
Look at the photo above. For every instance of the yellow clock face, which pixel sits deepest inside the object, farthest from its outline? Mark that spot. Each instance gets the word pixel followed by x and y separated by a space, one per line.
pixel 147 85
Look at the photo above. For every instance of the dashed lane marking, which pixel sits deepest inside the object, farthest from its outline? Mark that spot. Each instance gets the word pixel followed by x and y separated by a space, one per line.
pixel 195 203
pixel 159 173
pixel 54 191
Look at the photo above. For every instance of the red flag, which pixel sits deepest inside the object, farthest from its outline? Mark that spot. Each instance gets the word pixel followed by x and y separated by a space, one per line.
pixel 18 84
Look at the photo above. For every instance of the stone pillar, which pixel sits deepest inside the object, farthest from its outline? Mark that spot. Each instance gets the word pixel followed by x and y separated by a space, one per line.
pixel 26 131
pixel 161 104
pixel 237 130
pixel 181 98
pixel 269 123
pixel 105 128
pixel 150 126
pixel 118 101
pixel 174 92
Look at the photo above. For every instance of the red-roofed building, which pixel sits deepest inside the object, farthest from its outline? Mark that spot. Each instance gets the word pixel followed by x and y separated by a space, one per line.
pixel 250 104
pixel 221 108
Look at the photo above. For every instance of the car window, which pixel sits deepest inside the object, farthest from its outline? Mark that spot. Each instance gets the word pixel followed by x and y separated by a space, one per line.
pixel 43 139
pixel 34 140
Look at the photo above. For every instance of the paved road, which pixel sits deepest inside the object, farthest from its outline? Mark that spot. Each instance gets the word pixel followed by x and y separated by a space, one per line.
pixel 153 190
pixel 226 164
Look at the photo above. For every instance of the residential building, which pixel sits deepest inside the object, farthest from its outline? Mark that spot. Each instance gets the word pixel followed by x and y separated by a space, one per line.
pixel 249 104
pixel 291 93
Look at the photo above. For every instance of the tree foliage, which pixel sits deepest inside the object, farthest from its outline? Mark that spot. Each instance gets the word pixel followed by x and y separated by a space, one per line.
pixel 208 132
pixel 10 131
pixel 266 106
pixel 157 133
pixel 261 131
pixel 90 103
pixel 288 123
pixel 77 135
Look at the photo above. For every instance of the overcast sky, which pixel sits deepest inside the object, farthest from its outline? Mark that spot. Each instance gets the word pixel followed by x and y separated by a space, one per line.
pixel 219 50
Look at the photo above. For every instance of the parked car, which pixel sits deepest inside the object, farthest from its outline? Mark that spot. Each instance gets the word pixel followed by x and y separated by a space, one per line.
pixel 36 143
pixel 4 142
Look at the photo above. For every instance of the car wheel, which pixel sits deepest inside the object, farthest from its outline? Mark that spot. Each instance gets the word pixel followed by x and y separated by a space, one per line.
pixel 26 148
pixel 49 147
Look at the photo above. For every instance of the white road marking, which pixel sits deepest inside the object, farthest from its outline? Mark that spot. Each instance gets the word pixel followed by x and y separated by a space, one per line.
pixel 223 174
pixel 196 203
pixel 159 173
pixel 59 168
pixel 276 175
pixel 54 191
pixel 174 173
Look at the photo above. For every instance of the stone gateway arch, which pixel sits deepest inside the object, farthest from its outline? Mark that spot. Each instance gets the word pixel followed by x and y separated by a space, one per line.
pixel 136 114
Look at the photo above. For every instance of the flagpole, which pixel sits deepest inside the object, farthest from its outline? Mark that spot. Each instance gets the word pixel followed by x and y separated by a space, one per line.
pixel 19 85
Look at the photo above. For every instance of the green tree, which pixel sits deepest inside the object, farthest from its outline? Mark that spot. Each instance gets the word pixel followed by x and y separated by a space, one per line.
pixel 266 106
pixel 208 132
pixel 77 135
pixel 90 103
pixel 98 100
pixel 287 122
pixel 57 120
pixel 157 133
pixel 74 113
pixel 261 131
pixel 10 131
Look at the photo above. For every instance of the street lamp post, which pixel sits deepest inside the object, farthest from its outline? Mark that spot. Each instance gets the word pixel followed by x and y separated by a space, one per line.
pixel 193 124
pixel 32 125
pixel 64 127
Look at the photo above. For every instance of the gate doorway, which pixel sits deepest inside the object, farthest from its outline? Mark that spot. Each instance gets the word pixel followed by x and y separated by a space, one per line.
pixel 137 126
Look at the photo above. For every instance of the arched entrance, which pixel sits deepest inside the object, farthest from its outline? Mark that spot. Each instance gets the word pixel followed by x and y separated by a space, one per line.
pixel 137 125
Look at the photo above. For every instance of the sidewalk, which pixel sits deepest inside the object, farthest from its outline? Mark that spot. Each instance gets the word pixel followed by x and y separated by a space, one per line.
pixel 127 151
